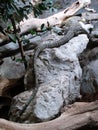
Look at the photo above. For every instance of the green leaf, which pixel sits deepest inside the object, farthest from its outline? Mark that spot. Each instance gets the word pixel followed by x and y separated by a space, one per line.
pixel 33 32
pixel 9 27
pixel 42 6
pixel 12 37
pixel 19 60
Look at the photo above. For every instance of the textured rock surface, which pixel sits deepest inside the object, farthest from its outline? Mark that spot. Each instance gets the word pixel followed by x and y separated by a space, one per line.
pixel 17 104
pixel 94 68
pixel 59 75
pixel 89 83
pixel 95 30
pixel 11 69
pixel 89 62
pixel 10 74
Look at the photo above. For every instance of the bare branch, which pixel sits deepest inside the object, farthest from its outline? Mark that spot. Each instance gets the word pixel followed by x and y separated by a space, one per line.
pixel 75 116
pixel 56 19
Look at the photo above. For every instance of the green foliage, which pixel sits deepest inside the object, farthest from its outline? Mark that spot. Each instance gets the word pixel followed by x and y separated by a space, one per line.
pixel 20 60
pixel 12 37
pixel 33 32
pixel 9 8
pixel 15 11
pixel 45 4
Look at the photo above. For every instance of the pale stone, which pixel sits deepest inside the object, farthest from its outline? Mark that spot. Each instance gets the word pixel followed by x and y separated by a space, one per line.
pixel 58 74
pixel 59 77
pixel 11 69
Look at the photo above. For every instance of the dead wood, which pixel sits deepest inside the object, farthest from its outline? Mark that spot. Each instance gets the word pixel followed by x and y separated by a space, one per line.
pixel 56 19
pixel 35 2
pixel 75 116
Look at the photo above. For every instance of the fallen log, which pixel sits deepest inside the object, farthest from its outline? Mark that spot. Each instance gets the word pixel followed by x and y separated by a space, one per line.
pixel 75 116
pixel 56 19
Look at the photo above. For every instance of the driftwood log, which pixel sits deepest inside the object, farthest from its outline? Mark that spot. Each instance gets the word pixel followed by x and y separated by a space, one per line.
pixel 56 19
pixel 75 116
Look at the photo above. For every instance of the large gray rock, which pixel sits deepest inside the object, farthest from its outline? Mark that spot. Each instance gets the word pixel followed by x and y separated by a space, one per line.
pixel 95 30
pixel 90 78
pixel 11 74
pixel 11 69
pixel 59 74
pixel 89 84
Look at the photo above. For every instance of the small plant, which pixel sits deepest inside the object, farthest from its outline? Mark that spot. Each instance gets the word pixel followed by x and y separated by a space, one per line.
pixel 9 10
pixel 14 11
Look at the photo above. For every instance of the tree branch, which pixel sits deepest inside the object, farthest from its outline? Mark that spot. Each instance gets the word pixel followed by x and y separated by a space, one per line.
pixel 56 19
pixel 75 116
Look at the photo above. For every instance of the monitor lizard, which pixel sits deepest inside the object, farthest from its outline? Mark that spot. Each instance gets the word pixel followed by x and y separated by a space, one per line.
pixel 74 28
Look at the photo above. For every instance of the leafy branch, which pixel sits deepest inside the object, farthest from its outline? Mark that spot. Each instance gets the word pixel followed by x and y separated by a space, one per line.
pixel 15 11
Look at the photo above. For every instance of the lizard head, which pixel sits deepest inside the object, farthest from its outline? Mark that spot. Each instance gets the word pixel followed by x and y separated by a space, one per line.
pixel 86 27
